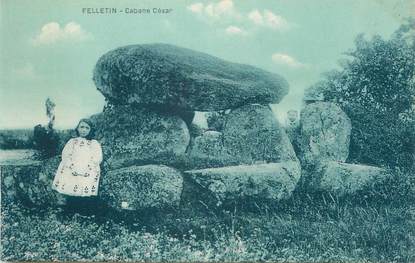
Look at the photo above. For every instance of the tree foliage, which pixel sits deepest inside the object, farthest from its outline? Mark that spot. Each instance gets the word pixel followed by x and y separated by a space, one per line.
pixel 376 88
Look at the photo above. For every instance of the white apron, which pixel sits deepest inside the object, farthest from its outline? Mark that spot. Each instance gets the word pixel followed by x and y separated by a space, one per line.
pixel 79 171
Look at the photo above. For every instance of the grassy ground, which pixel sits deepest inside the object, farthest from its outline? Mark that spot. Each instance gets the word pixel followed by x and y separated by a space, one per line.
pixel 305 228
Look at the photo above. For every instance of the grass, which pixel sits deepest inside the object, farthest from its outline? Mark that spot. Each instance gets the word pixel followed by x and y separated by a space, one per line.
pixel 305 228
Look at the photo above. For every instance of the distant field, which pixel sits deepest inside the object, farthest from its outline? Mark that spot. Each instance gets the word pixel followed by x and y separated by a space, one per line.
pixel 16 138
pixel 22 138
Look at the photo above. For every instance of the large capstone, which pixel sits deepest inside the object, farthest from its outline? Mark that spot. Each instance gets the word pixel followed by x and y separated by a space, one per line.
pixel 324 134
pixel 174 77
pixel 271 181
pixel 136 136
pixel 141 187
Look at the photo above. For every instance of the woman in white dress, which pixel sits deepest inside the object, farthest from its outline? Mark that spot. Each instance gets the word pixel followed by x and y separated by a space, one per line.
pixel 78 173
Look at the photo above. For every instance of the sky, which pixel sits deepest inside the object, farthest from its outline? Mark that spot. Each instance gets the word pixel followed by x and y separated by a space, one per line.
pixel 48 48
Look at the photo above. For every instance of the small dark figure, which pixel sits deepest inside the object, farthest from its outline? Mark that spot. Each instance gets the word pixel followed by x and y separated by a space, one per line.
pixel 292 128
pixel 216 120
pixel 291 124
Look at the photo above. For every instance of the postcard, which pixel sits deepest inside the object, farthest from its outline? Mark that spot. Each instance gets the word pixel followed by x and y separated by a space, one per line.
pixel 207 130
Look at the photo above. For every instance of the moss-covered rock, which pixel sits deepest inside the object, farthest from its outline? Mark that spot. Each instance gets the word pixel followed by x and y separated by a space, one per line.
pixel 141 187
pixel 252 133
pixel 270 181
pixel 175 77
pixel 137 136
pixel 342 179
pixel 324 134
pixel 10 175
pixel 30 182
pixel 207 150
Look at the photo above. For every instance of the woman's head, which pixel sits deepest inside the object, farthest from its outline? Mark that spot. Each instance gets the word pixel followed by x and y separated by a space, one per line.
pixel 85 129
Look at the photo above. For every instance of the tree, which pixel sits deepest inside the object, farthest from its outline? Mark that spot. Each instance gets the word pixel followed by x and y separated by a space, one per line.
pixel 45 139
pixel 376 88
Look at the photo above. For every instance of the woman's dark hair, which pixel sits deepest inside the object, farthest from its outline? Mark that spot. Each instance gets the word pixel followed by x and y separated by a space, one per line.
pixel 91 133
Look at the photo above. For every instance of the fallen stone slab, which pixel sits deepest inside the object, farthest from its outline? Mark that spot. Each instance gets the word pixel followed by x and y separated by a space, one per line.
pixel 269 181
pixel 342 179
pixel 142 187
pixel 176 77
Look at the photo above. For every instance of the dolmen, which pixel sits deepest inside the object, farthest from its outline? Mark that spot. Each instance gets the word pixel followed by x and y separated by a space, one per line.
pixel 154 158
pixel 157 157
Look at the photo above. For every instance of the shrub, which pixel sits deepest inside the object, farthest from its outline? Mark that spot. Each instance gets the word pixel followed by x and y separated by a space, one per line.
pixel 376 89
pixel 46 141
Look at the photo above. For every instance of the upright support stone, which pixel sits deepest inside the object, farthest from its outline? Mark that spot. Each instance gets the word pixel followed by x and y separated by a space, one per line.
pixel 136 136
pixel 324 134
pixel 253 133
